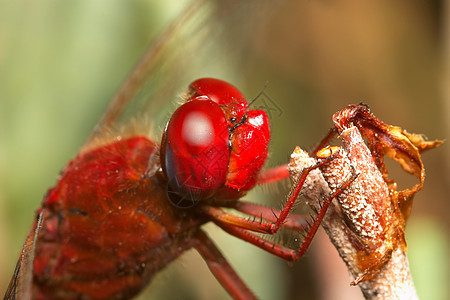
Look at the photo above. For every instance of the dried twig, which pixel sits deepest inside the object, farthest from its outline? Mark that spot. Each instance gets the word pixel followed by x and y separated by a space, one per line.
pixel 394 280
pixel 366 220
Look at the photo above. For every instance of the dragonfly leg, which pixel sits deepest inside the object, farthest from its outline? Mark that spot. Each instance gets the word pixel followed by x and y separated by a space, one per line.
pixel 273 174
pixel 261 218
pixel 296 222
pixel 293 195
pixel 279 250
pixel 220 268
pixel 281 172
pixel 261 213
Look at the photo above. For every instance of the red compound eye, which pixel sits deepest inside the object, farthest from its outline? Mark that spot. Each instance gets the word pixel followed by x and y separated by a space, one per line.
pixel 195 149
pixel 217 90
pixel 229 98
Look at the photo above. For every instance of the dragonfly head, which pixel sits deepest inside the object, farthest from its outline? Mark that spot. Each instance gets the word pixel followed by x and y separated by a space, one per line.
pixel 213 146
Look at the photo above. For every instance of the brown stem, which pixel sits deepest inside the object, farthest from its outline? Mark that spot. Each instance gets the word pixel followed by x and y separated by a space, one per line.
pixel 392 280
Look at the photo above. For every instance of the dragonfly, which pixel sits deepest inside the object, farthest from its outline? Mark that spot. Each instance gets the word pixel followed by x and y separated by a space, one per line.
pixel 154 85
pixel 126 206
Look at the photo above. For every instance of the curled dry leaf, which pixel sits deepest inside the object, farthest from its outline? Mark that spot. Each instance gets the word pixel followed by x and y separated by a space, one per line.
pixel 392 141
pixel 366 223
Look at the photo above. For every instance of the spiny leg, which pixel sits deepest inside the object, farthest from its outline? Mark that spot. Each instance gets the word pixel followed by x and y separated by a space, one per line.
pixel 279 250
pixel 261 226
pixel 261 218
pixel 281 172
pixel 296 222
pixel 295 193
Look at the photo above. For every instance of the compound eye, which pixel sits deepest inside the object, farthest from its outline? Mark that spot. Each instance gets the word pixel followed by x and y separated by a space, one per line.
pixel 227 96
pixel 219 91
pixel 195 149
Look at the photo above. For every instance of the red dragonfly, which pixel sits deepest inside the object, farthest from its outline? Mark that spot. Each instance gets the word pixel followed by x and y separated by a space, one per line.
pixel 125 206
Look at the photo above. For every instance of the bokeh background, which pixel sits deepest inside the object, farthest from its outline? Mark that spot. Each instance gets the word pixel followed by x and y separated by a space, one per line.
pixel 61 62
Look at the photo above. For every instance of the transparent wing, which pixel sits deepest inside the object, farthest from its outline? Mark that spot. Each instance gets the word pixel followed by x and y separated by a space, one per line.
pixel 209 38
pixel 20 285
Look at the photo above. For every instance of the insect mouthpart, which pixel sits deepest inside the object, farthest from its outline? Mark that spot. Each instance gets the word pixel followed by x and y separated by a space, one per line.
pixel 242 121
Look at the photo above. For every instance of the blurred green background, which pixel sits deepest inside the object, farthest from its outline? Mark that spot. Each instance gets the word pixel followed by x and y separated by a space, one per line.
pixel 61 62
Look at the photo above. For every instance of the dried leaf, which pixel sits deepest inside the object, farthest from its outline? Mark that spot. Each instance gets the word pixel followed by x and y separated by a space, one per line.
pixel 391 141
